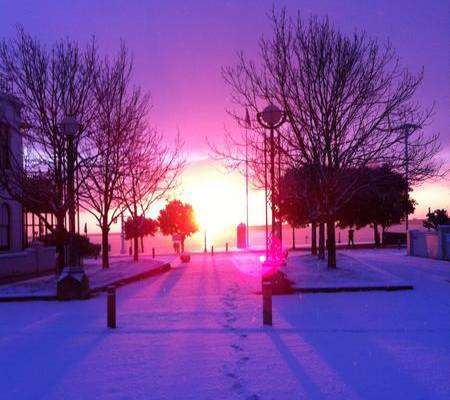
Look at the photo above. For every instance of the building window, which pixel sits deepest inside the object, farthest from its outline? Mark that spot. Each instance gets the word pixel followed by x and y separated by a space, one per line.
pixel 5 227
pixel 4 146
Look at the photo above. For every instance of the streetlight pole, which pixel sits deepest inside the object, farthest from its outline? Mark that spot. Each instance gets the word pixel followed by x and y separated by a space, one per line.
pixel 73 282
pixel 70 129
pixel 122 234
pixel 270 118
pixel 280 222
pixel 265 197
pixel 407 179
pixel 247 126
pixel 407 129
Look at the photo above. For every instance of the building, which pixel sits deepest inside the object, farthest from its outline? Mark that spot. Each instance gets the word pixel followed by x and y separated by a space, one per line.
pixel 11 215
pixel 16 258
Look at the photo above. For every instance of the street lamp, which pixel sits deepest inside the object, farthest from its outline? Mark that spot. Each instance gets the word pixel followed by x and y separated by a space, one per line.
pixel 407 130
pixel 270 118
pixel 73 282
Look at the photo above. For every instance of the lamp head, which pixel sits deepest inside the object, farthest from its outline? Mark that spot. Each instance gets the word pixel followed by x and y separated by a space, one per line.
pixel 271 115
pixel 70 126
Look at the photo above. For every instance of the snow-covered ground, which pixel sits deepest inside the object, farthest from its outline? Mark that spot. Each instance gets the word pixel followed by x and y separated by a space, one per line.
pixel 308 272
pixel 120 268
pixel 195 333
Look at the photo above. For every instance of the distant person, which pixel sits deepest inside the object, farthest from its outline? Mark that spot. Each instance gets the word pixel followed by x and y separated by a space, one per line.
pixel 351 237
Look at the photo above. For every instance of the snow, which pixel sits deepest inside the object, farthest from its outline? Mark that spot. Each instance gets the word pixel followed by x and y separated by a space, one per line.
pixel 307 272
pixel 120 268
pixel 195 333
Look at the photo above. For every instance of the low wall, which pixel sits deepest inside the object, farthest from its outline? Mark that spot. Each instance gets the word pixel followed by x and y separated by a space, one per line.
pixel 433 244
pixel 34 260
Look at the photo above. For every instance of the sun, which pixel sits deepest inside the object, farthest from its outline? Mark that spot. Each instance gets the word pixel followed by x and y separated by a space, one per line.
pixel 218 199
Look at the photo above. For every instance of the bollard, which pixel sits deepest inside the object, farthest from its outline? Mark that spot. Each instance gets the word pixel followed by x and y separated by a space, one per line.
pixel 212 250
pixel 267 302
pixel 111 307
pixel 226 247
pixel 153 252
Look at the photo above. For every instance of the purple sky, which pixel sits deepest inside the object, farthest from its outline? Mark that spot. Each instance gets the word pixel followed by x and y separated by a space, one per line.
pixel 180 46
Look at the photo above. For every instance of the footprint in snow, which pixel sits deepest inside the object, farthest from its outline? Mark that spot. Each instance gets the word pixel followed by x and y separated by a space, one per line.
pixel 236 347
pixel 243 360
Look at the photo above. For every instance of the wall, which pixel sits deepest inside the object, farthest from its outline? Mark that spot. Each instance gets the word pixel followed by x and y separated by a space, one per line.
pixel 34 260
pixel 433 244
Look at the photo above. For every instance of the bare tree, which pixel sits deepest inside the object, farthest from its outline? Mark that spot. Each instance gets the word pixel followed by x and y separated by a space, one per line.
pixel 120 111
pixel 346 99
pixel 152 169
pixel 50 83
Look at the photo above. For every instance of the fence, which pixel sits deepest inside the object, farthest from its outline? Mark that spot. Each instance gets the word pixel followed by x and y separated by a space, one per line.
pixel 433 244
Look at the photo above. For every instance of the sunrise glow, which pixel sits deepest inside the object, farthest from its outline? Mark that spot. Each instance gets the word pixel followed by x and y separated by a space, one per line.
pixel 218 198
pixel 224 200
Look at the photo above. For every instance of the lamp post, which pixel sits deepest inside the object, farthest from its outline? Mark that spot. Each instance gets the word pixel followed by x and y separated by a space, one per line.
pixel 407 130
pixel 73 282
pixel 70 128
pixel 247 127
pixel 122 234
pixel 270 118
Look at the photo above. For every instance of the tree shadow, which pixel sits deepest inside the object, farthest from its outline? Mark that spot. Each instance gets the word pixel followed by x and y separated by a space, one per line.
pixel 354 355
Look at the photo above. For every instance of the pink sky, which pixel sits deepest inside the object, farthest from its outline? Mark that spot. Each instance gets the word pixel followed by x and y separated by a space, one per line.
pixel 179 48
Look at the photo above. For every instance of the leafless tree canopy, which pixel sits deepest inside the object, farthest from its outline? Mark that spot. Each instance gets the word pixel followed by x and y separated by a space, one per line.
pixel 50 84
pixel 121 162
pixel 152 168
pixel 346 98
pixel 348 104
pixel 120 110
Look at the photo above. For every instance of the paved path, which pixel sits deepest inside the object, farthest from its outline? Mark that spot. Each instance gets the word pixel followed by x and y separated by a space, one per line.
pixel 195 333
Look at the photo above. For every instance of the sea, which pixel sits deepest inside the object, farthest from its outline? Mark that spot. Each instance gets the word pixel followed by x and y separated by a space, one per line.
pixel 219 240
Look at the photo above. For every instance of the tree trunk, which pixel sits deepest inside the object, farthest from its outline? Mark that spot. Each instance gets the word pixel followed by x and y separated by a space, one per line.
pixel 331 244
pixel 105 247
pixel 182 244
pixel 321 240
pixel 136 249
pixel 142 244
pixel 313 238
pixel 376 235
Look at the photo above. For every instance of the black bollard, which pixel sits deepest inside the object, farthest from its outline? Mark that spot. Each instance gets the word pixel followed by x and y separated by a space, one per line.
pixel 267 302
pixel 111 307
pixel 226 247
pixel 212 250
pixel 153 252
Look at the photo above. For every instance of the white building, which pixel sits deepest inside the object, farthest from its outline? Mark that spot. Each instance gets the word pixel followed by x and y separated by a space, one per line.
pixel 15 259
pixel 11 216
